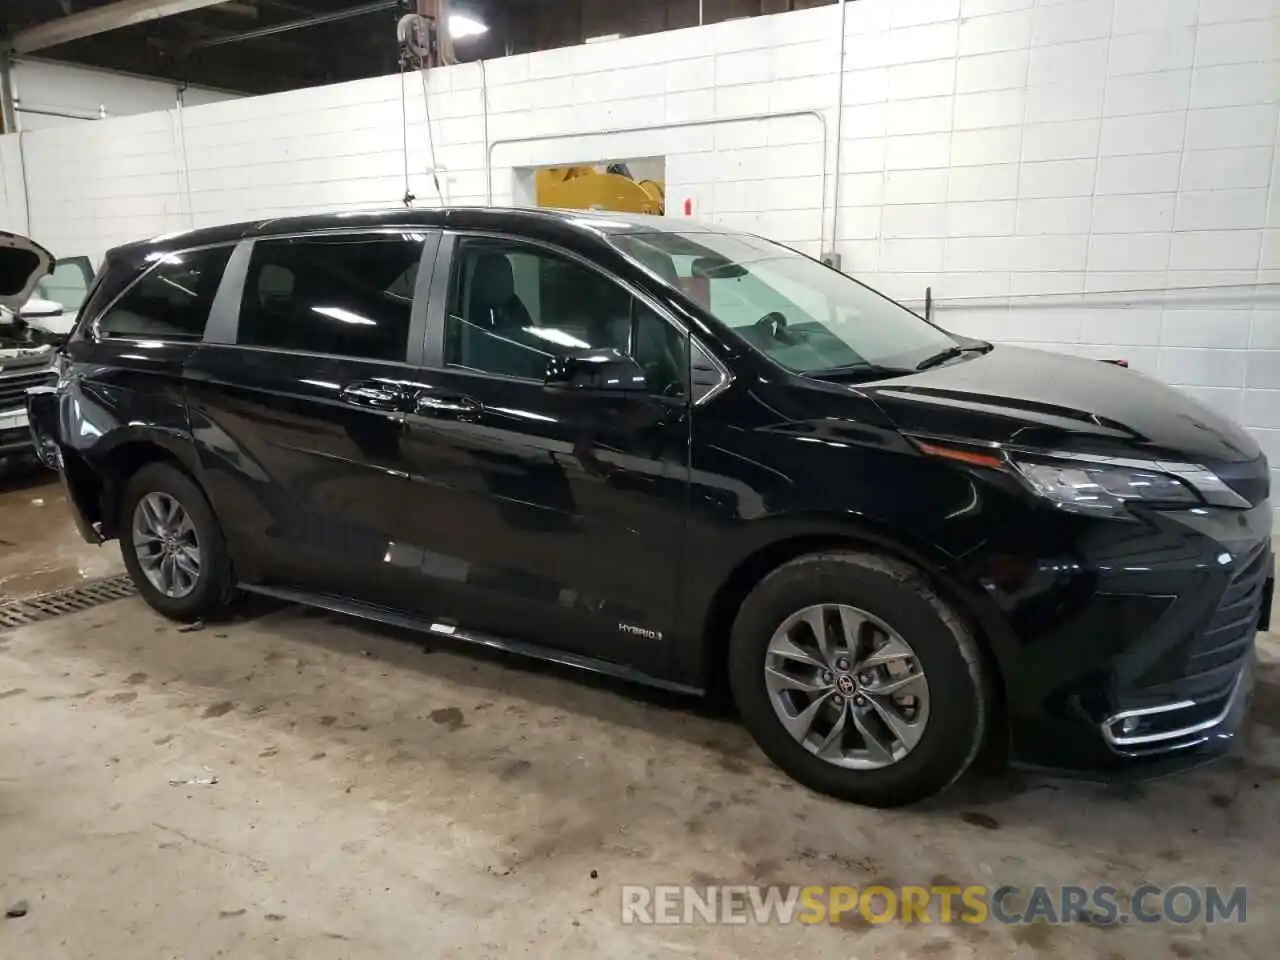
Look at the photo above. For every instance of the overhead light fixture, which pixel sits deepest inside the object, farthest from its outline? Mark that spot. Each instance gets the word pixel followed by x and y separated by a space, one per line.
pixel 461 27
pixel 344 315
pixel 603 38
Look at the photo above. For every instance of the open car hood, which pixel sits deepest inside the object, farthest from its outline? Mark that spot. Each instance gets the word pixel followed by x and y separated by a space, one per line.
pixel 22 263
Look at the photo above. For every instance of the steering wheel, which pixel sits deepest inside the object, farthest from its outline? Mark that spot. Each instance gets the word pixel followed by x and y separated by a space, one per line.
pixel 774 324
pixel 658 373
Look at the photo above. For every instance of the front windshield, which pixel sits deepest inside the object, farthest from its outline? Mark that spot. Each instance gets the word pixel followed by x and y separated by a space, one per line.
pixel 798 312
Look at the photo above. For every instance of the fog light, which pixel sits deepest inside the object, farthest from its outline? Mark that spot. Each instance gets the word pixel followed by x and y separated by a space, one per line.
pixel 1129 725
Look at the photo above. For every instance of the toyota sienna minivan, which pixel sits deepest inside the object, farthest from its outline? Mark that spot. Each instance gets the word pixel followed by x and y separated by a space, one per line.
pixel 681 455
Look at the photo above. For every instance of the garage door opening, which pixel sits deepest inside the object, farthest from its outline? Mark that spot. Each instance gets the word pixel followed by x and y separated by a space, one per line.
pixel 636 185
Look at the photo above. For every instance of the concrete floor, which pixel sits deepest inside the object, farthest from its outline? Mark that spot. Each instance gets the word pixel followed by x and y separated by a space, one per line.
pixel 40 549
pixel 376 800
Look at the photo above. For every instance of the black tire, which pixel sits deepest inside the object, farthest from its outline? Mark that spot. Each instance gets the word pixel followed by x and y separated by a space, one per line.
pixel 215 586
pixel 947 651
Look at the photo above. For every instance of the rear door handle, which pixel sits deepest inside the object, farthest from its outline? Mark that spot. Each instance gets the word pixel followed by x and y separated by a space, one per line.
pixel 377 395
pixel 445 406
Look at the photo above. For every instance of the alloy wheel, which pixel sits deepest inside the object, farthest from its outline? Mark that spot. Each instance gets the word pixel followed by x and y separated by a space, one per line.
pixel 846 686
pixel 166 544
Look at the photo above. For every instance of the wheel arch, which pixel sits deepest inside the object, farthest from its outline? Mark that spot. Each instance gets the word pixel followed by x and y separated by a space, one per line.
pixel 997 643
pixel 114 466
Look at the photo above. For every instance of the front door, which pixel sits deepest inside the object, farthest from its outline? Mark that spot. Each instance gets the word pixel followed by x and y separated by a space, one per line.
pixel 552 518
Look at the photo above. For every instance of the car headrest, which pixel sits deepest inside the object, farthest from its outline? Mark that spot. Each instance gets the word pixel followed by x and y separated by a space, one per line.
pixel 492 282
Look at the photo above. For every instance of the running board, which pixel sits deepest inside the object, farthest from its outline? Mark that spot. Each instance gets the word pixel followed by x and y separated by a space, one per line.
pixel 449 631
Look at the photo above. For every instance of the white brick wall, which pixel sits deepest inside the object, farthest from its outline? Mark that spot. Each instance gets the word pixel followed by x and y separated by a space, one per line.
pixel 50 94
pixel 1030 160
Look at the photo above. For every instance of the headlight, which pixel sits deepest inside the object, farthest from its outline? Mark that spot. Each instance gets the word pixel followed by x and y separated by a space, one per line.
pixel 1084 483
pixel 1093 488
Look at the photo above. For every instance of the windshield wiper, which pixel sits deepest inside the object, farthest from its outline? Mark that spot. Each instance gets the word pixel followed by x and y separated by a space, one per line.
pixel 855 371
pixel 942 356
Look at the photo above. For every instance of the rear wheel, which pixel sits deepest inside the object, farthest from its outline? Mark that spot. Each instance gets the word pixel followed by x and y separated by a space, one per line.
pixel 857 679
pixel 172 545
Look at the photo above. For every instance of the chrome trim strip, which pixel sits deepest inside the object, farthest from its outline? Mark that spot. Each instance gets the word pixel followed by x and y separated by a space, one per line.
pixel 1127 741
pixel 726 377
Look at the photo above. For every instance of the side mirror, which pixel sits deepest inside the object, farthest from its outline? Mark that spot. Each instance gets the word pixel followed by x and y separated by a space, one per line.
pixel 36 307
pixel 602 370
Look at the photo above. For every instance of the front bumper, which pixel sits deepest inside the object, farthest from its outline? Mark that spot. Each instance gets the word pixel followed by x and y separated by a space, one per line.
pixel 1179 724
pixel 15 435
pixel 1138 654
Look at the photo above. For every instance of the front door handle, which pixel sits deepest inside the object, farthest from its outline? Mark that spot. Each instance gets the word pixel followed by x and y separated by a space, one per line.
pixel 376 395
pixel 445 406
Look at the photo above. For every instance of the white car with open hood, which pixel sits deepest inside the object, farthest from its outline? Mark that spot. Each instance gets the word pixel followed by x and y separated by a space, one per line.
pixel 31 329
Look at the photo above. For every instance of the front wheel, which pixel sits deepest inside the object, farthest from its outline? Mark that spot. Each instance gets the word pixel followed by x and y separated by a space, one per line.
pixel 857 679
pixel 172 545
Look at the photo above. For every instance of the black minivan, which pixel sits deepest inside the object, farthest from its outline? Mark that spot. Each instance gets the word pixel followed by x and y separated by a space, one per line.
pixel 681 455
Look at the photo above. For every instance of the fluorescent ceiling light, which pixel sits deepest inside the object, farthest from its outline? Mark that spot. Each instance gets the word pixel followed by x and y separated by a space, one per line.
pixel 345 316
pixel 603 38
pixel 461 27
pixel 559 337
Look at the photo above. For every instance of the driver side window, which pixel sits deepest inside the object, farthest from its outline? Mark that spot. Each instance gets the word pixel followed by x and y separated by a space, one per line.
pixel 514 307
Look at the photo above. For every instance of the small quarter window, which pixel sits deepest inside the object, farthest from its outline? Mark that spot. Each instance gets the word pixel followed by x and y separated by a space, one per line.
pixel 172 300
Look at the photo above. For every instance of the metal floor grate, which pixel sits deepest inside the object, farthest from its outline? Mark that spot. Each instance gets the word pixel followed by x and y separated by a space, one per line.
pixel 20 613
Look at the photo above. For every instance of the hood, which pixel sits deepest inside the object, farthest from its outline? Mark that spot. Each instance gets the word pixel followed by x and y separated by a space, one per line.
pixel 22 263
pixel 1050 401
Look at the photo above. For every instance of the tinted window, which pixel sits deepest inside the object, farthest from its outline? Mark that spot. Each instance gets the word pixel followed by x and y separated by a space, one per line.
pixel 349 295
pixel 172 300
pixel 514 307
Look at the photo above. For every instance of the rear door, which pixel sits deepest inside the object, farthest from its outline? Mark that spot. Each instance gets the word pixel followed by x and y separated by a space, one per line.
pixel 294 404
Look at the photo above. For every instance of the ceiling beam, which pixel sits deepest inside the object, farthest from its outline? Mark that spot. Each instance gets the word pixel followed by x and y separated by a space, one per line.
pixel 333 16
pixel 112 16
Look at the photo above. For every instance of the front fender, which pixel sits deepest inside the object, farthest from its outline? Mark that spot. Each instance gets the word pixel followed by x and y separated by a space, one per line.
pixel 757 546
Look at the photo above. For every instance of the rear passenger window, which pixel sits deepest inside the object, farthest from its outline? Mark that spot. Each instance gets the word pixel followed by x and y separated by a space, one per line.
pixel 172 300
pixel 349 295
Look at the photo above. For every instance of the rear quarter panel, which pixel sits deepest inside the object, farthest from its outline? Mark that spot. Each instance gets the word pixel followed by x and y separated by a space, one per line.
pixel 117 393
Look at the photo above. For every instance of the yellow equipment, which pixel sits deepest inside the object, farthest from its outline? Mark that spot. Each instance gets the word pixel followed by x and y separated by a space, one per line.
pixel 587 188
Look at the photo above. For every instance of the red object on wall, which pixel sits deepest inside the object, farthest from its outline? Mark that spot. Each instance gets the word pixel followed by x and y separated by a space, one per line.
pixel 688 207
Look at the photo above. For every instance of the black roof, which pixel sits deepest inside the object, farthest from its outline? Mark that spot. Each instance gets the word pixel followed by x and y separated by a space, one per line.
pixel 563 225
